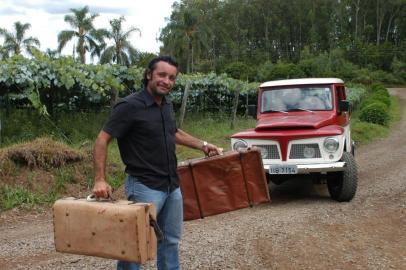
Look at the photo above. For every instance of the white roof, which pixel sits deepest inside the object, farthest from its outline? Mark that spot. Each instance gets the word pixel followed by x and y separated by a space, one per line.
pixel 301 81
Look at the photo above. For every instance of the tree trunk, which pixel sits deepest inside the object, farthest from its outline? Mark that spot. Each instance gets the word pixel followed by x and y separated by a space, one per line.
pixel 380 15
pixel 356 19
pixel 235 106
pixel 189 55
pixel 392 16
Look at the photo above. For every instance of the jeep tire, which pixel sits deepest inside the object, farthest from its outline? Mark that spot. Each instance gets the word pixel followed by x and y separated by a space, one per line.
pixel 343 185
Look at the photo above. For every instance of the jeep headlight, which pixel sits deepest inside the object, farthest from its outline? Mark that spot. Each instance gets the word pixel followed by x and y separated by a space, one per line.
pixel 331 144
pixel 240 144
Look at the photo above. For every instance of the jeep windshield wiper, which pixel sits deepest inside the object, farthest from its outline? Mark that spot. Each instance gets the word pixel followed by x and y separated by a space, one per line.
pixel 300 109
pixel 274 111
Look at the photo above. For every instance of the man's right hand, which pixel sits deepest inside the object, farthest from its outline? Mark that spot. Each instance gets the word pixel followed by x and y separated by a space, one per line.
pixel 102 189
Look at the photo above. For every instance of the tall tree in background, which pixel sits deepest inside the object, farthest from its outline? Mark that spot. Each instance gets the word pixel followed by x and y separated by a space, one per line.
pixel 88 38
pixel 185 35
pixel 15 42
pixel 225 32
pixel 121 51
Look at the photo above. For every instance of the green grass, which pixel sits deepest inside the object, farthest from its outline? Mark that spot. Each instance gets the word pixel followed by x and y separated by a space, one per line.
pixel 13 196
pixel 214 129
pixel 364 133
pixel 63 176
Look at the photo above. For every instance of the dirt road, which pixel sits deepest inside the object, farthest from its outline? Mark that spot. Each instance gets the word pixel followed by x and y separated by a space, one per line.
pixel 301 229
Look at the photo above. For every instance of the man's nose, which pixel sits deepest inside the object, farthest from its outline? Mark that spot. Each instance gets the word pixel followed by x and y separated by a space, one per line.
pixel 167 80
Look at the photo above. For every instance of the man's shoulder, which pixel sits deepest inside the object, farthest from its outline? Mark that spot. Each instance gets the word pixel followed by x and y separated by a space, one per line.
pixel 133 100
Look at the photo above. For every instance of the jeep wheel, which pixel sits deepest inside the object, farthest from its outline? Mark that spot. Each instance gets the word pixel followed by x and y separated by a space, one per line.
pixel 343 185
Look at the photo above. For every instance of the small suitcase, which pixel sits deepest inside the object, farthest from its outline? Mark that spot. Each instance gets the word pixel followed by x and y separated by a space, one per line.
pixel 223 183
pixel 110 229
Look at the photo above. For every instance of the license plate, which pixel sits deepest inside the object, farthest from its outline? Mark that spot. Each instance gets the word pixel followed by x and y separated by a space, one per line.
pixel 282 169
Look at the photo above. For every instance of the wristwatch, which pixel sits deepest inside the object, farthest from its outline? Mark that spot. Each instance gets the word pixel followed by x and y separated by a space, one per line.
pixel 204 144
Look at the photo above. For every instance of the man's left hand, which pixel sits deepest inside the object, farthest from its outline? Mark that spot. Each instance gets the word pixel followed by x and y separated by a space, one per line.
pixel 211 149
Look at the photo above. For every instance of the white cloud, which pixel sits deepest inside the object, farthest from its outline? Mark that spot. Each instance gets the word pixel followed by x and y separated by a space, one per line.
pixel 47 18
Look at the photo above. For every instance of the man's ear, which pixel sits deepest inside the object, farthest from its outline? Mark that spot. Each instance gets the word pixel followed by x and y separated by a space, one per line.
pixel 149 74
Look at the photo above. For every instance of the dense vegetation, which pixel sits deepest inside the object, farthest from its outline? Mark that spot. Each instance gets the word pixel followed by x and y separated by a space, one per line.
pixel 356 40
pixel 242 36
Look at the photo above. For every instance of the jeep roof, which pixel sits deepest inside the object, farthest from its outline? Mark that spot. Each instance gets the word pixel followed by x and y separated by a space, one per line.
pixel 301 82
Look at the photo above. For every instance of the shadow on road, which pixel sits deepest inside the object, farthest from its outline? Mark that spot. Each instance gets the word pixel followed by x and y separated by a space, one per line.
pixel 297 189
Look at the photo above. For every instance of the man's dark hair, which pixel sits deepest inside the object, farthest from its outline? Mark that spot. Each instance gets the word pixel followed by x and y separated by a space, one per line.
pixel 152 65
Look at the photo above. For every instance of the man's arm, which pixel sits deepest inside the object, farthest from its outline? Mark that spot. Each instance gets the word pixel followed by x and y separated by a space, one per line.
pixel 186 139
pixel 101 188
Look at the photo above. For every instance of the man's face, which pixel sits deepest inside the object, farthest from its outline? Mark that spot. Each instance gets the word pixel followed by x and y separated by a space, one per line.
pixel 161 79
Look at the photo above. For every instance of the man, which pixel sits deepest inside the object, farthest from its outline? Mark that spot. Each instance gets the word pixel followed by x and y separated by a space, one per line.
pixel 146 132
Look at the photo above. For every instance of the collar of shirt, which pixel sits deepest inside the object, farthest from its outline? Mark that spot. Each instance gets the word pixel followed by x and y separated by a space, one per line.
pixel 149 100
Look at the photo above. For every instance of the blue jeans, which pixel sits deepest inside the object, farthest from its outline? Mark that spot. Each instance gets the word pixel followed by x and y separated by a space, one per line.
pixel 169 207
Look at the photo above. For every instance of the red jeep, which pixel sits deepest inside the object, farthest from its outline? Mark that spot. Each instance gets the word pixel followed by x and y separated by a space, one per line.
pixel 303 128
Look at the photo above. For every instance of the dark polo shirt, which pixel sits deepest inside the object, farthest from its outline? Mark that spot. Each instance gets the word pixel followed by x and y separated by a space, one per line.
pixel 145 134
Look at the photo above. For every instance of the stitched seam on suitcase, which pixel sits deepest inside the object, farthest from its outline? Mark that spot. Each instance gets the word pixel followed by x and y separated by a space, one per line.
pixel 195 188
pixel 245 181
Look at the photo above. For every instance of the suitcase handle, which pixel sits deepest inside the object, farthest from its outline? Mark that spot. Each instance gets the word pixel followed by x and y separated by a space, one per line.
pixel 93 198
pixel 154 224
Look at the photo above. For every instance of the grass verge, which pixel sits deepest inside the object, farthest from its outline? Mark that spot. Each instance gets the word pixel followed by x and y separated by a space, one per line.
pixel 364 133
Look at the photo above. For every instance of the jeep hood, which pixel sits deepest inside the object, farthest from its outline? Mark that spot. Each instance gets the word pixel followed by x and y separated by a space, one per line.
pixel 307 120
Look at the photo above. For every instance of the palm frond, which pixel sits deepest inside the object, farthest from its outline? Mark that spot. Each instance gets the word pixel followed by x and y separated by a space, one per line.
pixel 107 55
pixel 64 37
pixel 29 42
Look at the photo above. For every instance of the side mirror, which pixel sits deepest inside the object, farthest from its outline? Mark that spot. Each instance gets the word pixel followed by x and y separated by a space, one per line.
pixel 344 106
pixel 252 111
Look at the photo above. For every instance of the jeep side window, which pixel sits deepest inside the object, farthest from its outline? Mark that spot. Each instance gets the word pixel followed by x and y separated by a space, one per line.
pixel 340 94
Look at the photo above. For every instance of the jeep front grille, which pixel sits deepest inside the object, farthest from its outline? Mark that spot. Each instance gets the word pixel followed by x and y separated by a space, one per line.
pixel 268 151
pixel 300 151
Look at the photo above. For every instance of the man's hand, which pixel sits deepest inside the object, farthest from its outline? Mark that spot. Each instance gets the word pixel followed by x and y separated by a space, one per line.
pixel 211 149
pixel 102 189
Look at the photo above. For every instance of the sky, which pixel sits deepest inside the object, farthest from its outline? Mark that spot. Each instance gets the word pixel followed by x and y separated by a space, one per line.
pixel 47 19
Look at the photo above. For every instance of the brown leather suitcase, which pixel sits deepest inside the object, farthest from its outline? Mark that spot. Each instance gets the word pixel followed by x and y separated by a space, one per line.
pixel 223 183
pixel 110 229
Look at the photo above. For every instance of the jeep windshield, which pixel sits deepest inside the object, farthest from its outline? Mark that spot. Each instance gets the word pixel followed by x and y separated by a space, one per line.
pixel 306 98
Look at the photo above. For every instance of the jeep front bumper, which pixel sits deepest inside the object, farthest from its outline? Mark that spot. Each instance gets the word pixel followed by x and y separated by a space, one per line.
pixel 316 168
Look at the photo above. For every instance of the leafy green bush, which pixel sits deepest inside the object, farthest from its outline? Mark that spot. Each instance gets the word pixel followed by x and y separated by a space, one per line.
pixel 399 69
pixel 376 113
pixel 239 71
pixel 378 93
pixel 279 71
pixel 384 77
pixel 374 99
pixel 377 87
pixel 355 94
pixel 362 76
pixel 382 97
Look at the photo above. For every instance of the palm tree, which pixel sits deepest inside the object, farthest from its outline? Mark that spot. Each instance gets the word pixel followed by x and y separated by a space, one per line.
pixel 184 35
pixel 121 51
pixel 15 42
pixel 89 39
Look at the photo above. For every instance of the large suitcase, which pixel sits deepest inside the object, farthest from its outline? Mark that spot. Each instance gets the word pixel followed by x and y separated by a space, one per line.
pixel 222 183
pixel 110 229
